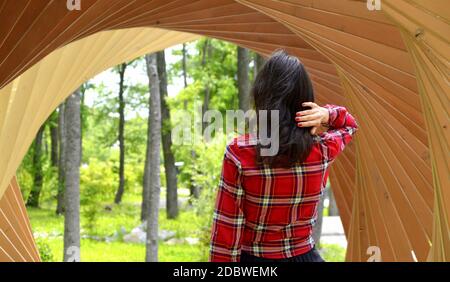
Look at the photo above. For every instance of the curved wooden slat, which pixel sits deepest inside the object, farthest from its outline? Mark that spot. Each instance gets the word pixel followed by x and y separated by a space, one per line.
pixel 389 67
pixel 16 239
pixel 426 32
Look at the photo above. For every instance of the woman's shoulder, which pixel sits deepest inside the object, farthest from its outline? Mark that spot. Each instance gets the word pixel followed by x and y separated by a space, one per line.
pixel 248 142
pixel 243 141
pixel 242 147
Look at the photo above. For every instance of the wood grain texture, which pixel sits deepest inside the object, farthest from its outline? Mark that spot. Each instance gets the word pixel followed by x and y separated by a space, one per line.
pixel 425 28
pixel 390 68
pixel 16 239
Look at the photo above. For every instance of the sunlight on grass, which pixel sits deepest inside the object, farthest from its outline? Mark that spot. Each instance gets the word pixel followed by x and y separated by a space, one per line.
pixel 332 252
pixel 48 228
pixel 94 251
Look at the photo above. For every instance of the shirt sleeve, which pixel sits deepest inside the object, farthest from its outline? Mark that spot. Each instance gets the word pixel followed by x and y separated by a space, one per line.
pixel 341 127
pixel 228 219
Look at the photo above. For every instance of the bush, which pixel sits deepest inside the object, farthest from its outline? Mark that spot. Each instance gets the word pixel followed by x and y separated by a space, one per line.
pixel 332 252
pixel 206 174
pixel 98 184
pixel 45 252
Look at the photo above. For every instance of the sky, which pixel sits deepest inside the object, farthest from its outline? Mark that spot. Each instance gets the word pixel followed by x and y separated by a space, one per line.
pixel 135 75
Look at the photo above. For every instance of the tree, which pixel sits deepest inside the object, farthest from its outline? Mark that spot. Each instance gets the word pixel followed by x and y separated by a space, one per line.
pixel 317 230
pixel 207 51
pixel 212 66
pixel 72 178
pixel 53 125
pixel 183 64
pixel 169 159
pixel 152 169
pixel 33 199
pixel 332 207
pixel 184 71
pixel 206 55
pixel 61 159
pixel 121 70
pixel 83 112
pixel 243 60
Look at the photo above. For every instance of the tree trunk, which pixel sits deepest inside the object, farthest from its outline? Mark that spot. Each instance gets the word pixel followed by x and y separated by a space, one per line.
pixel 169 159
pixel 332 207
pixel 206 54
pixel 82 93
pixel 146 178
pixel 152 173
pixel 72 179
pixel 183 64
pixel 33 199
pixel 62 159
pixel 243 60
pixel 317 230
pixel 184 67
pixel 54 139
pixel 205 107
pixel 121 187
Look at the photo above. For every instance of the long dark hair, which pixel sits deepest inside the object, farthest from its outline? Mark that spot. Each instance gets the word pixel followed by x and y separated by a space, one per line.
pixel 283 84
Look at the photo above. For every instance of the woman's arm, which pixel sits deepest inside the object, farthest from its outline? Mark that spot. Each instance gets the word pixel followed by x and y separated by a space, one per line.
pixel 229 220
pixel 341 125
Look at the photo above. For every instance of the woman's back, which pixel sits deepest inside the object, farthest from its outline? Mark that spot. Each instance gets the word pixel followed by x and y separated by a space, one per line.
pixel 269 211
pixel 267 203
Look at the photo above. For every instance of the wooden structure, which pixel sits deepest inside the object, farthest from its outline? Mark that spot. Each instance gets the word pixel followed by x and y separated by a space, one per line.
pixel 390 67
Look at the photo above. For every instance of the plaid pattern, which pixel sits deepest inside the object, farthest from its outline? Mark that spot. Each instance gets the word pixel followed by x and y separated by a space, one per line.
pixel 269 212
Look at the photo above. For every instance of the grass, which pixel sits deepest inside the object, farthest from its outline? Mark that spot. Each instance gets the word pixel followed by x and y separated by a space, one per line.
pixel 332 252
pixel 48 228
pixel 95 251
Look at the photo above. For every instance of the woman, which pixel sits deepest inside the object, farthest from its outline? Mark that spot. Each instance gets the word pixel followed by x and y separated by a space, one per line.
pixel 266 205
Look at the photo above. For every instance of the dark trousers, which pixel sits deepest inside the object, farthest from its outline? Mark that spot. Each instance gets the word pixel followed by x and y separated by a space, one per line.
pixel 311 256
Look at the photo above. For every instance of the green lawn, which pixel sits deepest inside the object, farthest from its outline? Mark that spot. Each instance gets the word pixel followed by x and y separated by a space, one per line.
pixel 332 252
pixel 95 251
pixel 48 229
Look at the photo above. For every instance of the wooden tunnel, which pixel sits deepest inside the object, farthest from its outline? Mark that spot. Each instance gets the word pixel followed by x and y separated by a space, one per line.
pixel 390 67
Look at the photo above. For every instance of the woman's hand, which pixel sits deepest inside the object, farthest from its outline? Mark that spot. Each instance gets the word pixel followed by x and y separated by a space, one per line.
pixel 313 118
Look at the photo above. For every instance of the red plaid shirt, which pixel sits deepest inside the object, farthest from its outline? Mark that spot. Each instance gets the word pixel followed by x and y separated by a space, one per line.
pixel 270 212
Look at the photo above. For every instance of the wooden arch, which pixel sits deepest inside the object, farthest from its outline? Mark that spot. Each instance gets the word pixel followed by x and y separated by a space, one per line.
pixel 389 67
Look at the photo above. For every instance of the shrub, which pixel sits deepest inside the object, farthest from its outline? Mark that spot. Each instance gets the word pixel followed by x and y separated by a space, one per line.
pixel 98 184
pixel 45 252
pixel 206 174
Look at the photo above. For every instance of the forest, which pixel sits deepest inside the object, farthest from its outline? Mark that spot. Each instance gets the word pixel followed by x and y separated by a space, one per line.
pixel 104 179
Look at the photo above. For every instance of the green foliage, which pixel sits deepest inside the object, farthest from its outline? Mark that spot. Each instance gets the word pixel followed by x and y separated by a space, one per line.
pixel 211 63
pixel 45 222
pixel 25 174
pixel 99 251
pixel 186 225
pixel 45 251
pixel 332 252
pixel 209 160
pixel 124 216
pixel 98 184
pixel 135 148
pixel 26 171
pixel 212 66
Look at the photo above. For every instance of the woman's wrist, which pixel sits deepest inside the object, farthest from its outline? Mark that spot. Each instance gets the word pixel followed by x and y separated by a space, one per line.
pixel 325 116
